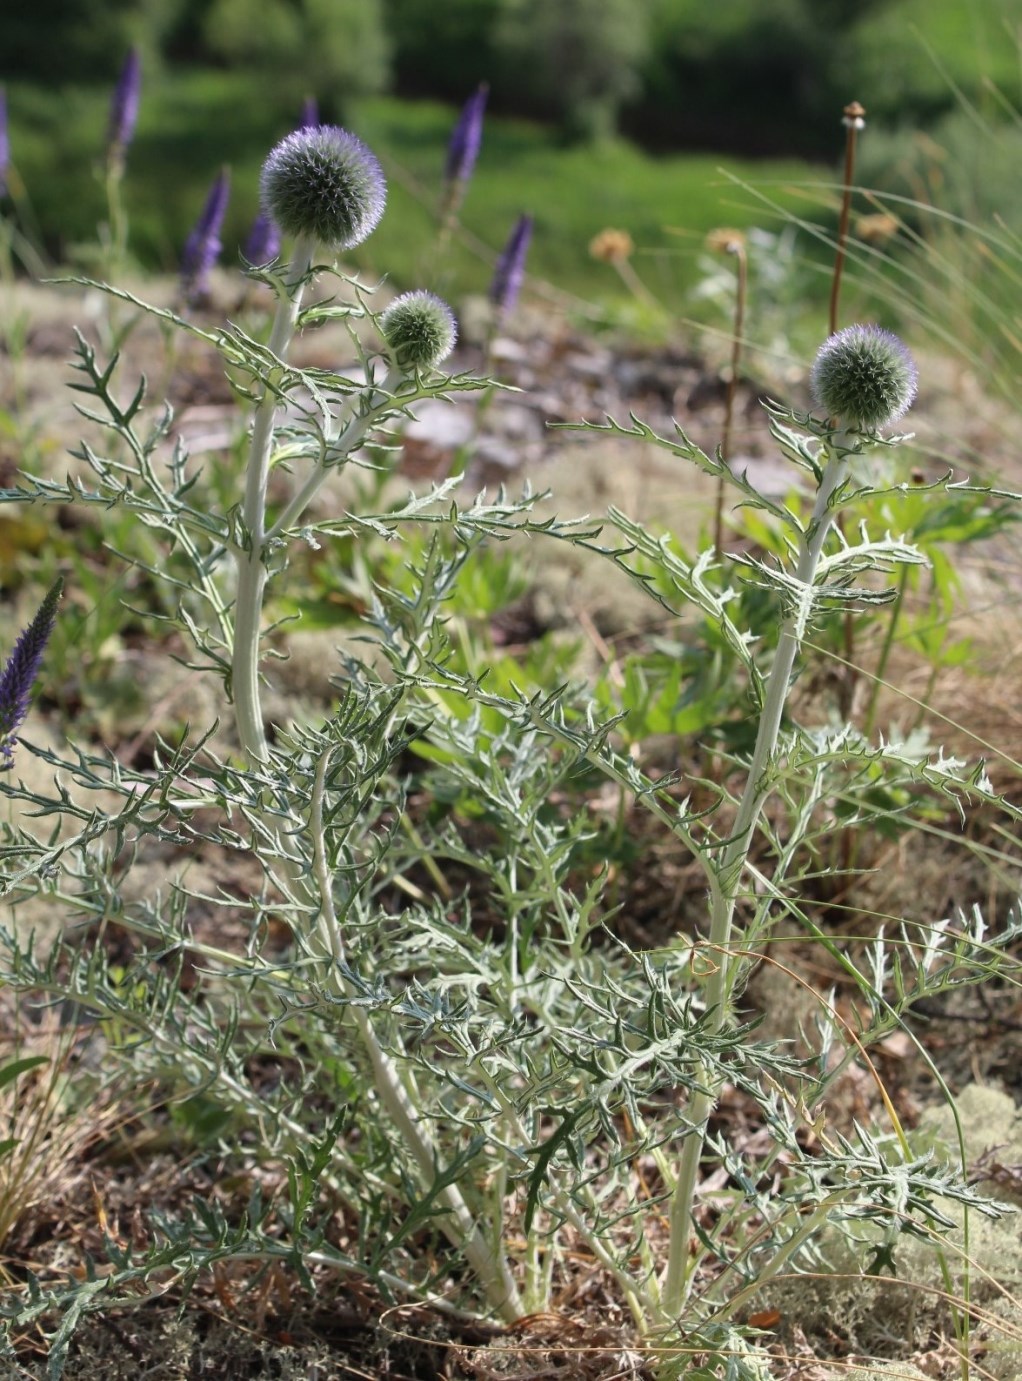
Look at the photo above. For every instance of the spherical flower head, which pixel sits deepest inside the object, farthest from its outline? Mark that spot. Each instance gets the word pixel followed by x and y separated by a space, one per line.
pixel 612 246
pixel 325 184
pixel 419 329
pixel 865 376
pixel 725 240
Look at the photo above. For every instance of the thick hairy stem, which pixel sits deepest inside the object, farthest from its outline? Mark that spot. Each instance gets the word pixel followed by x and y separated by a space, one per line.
pixel 731 867
pixel 250 558
pixel 398 1095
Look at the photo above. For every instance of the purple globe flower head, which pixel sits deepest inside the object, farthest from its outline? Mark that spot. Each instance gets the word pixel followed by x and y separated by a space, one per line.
pixel 202 248
pixel 865 377
pixel 20 671
pixel 5 143
pixel 309 118
pixel 325 185
pixel 467 138
pixel 263 243
pixel 124 108
pixel 509 273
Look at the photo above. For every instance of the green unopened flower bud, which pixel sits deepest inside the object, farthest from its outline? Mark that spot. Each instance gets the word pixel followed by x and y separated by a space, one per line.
pixel 325 184
pixel 865 376
pixel 419 330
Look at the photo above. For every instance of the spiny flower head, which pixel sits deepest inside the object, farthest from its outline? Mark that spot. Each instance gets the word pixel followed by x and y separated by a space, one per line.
pixel 467 138
pixel 20 671
pixel 124 107
pixel 202 248
pixel 865 376
pixel 263 243
pixel 325 184
pixel 509 274
pixel 419 329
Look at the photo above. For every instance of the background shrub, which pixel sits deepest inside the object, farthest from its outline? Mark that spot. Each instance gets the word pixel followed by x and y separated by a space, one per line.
pixel 575 62
pixel 331 49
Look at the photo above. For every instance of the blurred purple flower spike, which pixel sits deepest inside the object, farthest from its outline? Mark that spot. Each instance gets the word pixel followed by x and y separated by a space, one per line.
pixel 5 144
pixel 124 108
pixel 263 243
pixel 202 248
pixel 20 671
pixel 509 274
pixel 310 114
pixel 467 138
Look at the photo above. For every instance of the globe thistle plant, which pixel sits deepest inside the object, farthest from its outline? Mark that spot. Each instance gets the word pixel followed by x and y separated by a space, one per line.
pixel 20 672
pixel 324 185
pixel 419 329
pixel 502 1083
pixel 865 377
pixel 202 248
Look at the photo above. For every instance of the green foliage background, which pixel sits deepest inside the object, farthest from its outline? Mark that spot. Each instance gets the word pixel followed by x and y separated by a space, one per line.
pixel 755 85
pixel 749 76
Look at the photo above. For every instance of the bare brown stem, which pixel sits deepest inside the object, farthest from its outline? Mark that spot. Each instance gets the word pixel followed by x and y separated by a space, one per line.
pixel 853 119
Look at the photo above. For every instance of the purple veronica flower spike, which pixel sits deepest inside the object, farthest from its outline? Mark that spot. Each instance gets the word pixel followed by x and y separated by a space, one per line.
pixel 463 150
pixel 310 114
pixel 263 243
pixel 20 671
pixel 5 146
pixel 509 274
pixel 202 248
pixel 124 107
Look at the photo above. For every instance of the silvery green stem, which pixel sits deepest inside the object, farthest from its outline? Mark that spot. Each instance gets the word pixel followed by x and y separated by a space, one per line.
pixel 399 1095
pixel 798 1239
pixel 250 558
pixel 348 441
pixel 730 869
pixel 565 1203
